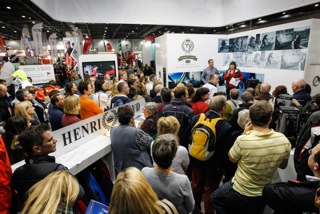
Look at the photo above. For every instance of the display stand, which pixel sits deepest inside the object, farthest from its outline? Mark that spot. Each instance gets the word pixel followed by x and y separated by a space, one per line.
pixel 81 144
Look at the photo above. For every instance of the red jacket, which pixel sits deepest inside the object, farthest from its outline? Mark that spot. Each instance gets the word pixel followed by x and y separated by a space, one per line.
pixel 228 75
pixel 199 107
pixel 5 177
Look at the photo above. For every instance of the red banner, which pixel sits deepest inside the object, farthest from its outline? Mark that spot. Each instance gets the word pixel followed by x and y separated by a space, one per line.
pixel 150 38
pixel 86 46
pixel 2 42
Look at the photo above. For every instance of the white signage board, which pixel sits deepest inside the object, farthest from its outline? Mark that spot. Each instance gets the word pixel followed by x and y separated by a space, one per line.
pixel 39 73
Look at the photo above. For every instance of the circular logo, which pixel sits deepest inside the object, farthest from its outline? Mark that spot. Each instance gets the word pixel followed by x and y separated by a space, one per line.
pixel 187 45
pixel 109 119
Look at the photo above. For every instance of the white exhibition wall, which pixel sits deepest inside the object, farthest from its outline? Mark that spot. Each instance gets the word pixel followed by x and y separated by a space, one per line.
pixel 282 68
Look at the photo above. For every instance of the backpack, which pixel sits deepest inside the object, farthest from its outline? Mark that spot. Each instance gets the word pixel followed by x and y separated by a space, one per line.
pixel 203 136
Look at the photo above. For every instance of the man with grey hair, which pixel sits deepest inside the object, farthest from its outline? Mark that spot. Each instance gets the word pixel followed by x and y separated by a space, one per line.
pixel 265 93
pixel 149 125
pixel 206 175
pixel 300 95
pixel 157 90
pixel 5 104
pixel 122 97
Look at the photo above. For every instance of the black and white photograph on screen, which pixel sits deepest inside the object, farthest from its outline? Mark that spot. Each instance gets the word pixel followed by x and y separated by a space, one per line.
pixel 254 42
pixel 293 59
pixel 284 39
pixel 259 59
pixel 273 59
pixel 238 58
pixel 301 38
pixel 239 44
pixel 247 59
pixel 227 58
pixel 268 41
pixel 223 46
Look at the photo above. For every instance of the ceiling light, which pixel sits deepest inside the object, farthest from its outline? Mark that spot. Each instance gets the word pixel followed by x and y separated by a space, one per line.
pixel 262 21
pixel 191 29
pixel 166 29
pixel 132 31
pixel 106 27
pixel 242 26
pixel 227 27
pixel 316 5
pixel 182 32
pixel 159 31
pixel 214 30
pixel 259 19
pixel 15 31
pixel 33 22
pixel 105 31
pixel 29 17
pixel 136 28
pixel 23 16
pixel 9 8
pixel 3 27
pixel 285 16
pixel 284 13
pixel 48 31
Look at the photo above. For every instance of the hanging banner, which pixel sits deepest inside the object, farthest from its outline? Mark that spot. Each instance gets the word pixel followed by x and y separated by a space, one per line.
pixel 37 39
pixel 2 46
pixel 53 45
pixel 86 46
pixel 119 45
pixel 109 47
pixel 26 41
pixel 72 50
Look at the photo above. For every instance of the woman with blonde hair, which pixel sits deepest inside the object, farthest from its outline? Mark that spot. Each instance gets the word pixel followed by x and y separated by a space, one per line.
pixel 56 193
pixel 132 194
pixel 71 110
pixel 170 125
pixel 25 108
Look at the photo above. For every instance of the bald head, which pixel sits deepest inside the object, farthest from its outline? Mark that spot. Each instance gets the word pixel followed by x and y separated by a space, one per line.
pixel 3 90
pixel 265 88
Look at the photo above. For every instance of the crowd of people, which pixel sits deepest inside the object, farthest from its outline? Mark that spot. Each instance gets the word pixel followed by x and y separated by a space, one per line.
pixel 151 158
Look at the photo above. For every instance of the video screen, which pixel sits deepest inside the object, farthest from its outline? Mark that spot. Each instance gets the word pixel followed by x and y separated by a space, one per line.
pixel 99 68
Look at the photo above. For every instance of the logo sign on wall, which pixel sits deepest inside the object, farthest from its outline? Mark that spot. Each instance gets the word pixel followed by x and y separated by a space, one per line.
pixel 187 46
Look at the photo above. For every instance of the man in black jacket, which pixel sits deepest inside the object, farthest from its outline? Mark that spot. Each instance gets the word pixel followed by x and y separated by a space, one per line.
pixel 37 142
pixel 296 197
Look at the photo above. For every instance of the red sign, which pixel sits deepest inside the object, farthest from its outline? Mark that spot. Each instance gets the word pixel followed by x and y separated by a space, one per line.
pixel 86 46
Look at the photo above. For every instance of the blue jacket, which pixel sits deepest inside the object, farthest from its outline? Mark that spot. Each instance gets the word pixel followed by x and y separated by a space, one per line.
pixel 302 96
pixel 56 114
pixel 179 109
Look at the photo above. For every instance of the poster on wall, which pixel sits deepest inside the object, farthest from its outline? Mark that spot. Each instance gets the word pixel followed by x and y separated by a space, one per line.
pixel 293 38
pixel 293 59
pixel 39 73
pixel 223 46
pixel 72 49
pixel 282 49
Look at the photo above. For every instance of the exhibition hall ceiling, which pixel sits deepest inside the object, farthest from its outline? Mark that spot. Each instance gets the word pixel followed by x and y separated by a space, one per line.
pixel 15 14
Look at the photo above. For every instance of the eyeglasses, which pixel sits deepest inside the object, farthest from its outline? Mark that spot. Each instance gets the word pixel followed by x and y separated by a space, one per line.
pixel 310 153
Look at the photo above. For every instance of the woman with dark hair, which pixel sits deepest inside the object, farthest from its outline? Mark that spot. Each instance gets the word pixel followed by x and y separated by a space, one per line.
pixel 166 183
pixel 232 76
pixel 13 127
pixel 71 89
pixel 198 101
pixel 100 97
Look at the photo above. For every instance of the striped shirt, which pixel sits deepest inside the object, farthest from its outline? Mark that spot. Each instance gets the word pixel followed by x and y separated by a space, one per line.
pixel 258 155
